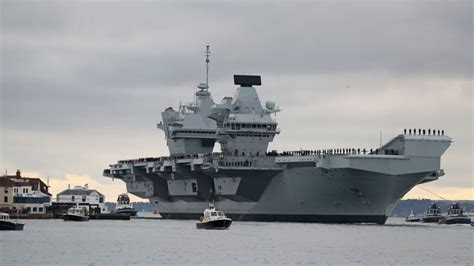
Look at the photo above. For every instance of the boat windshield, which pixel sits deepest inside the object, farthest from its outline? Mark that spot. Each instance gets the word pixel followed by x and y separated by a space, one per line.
pixel 220 213
pixel 213 214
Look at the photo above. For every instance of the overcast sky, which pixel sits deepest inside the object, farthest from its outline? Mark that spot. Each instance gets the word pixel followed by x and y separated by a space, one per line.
pixel 83 83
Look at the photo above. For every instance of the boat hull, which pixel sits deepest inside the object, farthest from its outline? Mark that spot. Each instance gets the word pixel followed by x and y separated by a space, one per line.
pixel 11 226
pixel 215 224
pixel 413 220
pixel 129 211
pixel 346 188
pixel 456 220
pixel 432 219
pixel 308 194
pixel 75 218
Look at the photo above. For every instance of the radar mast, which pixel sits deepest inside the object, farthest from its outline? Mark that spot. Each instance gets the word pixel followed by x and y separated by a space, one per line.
pixel 208 53
pixel 205 86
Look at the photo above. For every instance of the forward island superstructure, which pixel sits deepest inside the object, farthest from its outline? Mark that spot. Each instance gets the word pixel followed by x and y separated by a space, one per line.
pixel 248 182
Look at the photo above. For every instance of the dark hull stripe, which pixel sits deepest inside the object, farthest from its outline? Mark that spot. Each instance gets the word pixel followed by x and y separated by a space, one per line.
pixel 464 220
pixel 219 224
pixel 8 225
pixel 378 219
pixel 433 219
pixel 75 218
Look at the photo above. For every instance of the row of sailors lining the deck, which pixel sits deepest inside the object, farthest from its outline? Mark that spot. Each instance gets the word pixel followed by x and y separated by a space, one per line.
pixel 342 151
pixel 433 132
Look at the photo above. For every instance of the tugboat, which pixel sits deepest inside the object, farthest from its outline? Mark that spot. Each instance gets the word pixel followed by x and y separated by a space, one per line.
pixel 124 206
pixel 433 214
pixel 213 219
pixel 76 214
pixel 456 215
pixel 7 224
pixel 412 218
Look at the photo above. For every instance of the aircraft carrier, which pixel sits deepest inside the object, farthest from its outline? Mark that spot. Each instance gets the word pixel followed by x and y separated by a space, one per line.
pixel 249 183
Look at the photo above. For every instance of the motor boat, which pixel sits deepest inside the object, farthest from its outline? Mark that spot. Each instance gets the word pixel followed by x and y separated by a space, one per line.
pixel 433 214
pixel 124 206
pixel 412 218
pixel 456 215
pixel 213 219
pixel 77 214
pixel 7 224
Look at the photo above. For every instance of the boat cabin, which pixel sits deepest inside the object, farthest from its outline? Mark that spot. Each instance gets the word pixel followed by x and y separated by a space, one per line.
pixel 4 216
pixel 455 210
pixel 433 210
pixel 212 214
pixel 76 211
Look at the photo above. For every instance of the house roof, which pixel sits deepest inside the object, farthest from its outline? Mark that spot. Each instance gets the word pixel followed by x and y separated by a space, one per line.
pixel 80 192
pixel 21 180
pixel 15 181
pixel 5 181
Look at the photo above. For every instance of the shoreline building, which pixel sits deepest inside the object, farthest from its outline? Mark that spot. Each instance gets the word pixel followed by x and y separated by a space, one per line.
pixel 82 196
pixel 24 194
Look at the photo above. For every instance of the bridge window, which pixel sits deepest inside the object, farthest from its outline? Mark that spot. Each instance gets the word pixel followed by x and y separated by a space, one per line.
pixel 193 185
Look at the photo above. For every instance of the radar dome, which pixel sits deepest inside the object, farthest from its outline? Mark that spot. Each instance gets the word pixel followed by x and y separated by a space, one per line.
pixel 231 117
pixel 202 86
pixel 270 105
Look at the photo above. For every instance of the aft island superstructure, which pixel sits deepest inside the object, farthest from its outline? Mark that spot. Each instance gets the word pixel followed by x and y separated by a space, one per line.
pixel 248 182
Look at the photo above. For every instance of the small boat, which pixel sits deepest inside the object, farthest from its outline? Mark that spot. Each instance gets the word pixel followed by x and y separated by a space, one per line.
pixel 213 219
pixel 76 214
pixel 456 215
pixel 7 224
pixel 412 218
pixel 124 205
pixel 433 214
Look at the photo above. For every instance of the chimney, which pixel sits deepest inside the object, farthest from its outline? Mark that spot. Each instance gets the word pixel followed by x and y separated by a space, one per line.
pixel 18 173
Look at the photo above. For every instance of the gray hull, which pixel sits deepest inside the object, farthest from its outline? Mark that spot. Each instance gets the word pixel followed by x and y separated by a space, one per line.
pixel 310 195
pixel 349 188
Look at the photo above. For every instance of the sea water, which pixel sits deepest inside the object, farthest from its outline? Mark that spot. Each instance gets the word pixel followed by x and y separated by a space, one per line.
pixel 157 242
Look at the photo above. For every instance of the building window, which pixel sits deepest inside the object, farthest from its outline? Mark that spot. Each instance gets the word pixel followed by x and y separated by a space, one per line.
pixel 83 198
pixel 34 209
pixel 40 209
pixel 72 198
pixel 28 209
pixel 5 199
pixel 15 190
pixel 101 200
pixel 6 190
